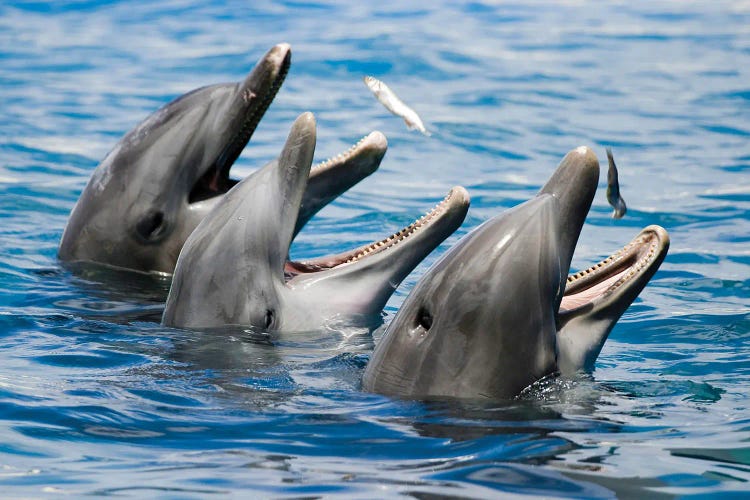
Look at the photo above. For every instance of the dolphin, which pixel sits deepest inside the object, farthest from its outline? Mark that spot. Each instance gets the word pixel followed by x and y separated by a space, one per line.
pixel 498 312
pixel 163 177
pixel 234 270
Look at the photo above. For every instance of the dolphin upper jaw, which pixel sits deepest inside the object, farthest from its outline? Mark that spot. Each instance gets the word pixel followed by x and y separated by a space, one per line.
pixel 235 118
pixel 573 184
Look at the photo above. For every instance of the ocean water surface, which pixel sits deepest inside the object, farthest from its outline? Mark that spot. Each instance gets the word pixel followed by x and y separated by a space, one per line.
pixel 97 399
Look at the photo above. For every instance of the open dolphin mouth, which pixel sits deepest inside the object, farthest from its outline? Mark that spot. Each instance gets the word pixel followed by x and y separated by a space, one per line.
pixel 216 180
pixel 250 230
pixel 435 221
pixel 633 264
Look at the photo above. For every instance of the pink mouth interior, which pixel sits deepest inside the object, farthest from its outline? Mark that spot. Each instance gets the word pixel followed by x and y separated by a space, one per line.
pixel 580 299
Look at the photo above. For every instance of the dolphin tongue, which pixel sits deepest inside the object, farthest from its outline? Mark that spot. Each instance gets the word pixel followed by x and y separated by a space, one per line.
pixel 573 185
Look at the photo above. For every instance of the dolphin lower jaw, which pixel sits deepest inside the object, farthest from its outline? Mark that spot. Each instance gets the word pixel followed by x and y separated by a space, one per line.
pixel 441 221
pixel 596 298
pixel 454 200
pixel 331 178
pixel 625 268
pixel 373 144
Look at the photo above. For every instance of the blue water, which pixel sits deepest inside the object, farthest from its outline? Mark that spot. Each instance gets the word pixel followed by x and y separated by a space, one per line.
pixel 97 398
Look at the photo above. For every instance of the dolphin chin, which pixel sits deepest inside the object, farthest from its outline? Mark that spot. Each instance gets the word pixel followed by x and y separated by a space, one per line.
pixel 162 178
pixel 498 311
pixel 234 269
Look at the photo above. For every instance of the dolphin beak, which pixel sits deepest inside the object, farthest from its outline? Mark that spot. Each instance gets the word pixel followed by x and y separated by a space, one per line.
pixel 253 97
pixel 239 118
pixel 271 67
pixel 290 180
pixel 333 177
pixel 573 185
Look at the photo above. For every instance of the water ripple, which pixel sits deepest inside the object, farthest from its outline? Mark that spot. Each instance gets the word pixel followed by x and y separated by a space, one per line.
pixel 97 398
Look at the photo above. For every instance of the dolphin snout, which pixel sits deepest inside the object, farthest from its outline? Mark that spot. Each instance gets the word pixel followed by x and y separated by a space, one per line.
pixel 278 53
pixel 573 185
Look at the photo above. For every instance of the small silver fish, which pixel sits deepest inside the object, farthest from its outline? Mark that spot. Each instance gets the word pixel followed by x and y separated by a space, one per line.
pixel 395 105
pixel 613 189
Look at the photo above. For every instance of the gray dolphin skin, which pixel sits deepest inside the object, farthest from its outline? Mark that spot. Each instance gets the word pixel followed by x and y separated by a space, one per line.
pixel 234 269
pixel 165 175
pixel 498 312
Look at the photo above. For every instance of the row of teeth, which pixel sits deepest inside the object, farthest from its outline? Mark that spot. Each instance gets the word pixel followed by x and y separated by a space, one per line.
pixel 640 264
pixel 635 269
pixel 341 157
pixel 612 258
pixel 401 235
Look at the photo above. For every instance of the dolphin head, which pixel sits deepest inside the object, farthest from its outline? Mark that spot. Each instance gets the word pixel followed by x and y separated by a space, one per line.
pixel 162 178
pixel 234 268
pixel 498 312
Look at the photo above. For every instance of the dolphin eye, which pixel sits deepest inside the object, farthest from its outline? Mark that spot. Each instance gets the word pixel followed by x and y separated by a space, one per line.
pixel 268 319
pixel 151 226
pixel 424 318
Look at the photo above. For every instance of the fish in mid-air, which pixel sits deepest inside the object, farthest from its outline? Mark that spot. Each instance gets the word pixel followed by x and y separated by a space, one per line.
pixel 613 189
pixel 395 105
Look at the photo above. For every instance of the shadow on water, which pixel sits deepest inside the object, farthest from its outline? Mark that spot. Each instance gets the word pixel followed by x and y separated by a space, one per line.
pixel 243 367
pixel 253 369
pixel 112 294
pixel 230 349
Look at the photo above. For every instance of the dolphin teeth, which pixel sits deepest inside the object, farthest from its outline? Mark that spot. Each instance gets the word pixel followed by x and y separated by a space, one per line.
pixel 625 253
pixel 399 236
pixel 343 156
pixel 643 262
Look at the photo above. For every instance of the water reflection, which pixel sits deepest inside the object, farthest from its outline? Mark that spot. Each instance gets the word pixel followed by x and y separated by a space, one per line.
pixel 516 479
pixel 112 294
